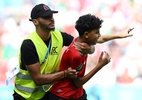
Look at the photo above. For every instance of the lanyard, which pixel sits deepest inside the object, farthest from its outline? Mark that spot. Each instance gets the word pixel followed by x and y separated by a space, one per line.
pixel 47 52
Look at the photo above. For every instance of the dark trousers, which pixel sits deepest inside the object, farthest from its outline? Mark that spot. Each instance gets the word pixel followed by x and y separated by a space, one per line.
pixel 54 97
pixel 49 96
pixel 19 97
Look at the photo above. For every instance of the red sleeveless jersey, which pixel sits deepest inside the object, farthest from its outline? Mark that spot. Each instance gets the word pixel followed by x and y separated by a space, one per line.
pixel 71 58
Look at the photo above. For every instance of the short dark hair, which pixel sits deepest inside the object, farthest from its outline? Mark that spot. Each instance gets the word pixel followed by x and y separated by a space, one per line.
pixel 87 22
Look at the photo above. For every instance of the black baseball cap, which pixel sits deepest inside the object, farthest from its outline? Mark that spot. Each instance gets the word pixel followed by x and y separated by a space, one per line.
pixel 41 10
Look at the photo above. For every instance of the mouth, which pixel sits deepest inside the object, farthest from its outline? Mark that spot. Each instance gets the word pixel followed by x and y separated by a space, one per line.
pixel 52 24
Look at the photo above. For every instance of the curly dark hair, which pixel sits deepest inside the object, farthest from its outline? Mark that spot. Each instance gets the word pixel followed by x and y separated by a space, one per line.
pixel 87 22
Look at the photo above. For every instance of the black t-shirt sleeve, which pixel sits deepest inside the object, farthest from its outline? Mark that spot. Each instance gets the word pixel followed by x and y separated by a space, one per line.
pixel 67 39
pixel 28 53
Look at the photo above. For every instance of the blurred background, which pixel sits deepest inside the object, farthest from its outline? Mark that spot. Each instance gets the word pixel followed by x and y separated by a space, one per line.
pixel 121 79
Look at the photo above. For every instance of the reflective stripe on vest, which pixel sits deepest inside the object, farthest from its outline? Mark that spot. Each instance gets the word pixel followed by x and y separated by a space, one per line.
pixel 31 90
pixel 26 77
pixel 27 89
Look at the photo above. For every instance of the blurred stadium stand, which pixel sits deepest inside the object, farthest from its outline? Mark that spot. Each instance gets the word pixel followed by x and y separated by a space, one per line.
pixel 119 80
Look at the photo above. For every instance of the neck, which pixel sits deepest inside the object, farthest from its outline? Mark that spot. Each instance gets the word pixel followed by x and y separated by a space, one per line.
pixel 80 39
pixel 44 35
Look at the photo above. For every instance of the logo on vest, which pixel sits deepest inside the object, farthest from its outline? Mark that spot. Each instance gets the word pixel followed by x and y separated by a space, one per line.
pixel 53 51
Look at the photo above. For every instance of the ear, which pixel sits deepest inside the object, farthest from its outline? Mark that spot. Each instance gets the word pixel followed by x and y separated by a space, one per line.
pixel 35 21
pixel 86 34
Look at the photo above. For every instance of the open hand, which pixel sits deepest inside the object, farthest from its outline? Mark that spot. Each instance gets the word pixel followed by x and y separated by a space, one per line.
pixel 84 47
pixel 126 33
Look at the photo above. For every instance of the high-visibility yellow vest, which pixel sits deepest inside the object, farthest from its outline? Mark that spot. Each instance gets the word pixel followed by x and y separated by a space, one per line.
pixel 24 85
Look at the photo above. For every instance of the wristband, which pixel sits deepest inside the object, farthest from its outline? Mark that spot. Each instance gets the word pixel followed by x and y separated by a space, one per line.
pixel 64 74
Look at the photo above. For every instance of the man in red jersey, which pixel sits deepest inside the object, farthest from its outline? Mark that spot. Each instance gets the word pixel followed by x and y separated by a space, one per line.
pixel 88 27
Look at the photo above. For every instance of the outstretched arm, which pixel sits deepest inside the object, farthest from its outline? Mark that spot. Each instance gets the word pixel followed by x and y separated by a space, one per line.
pixel 105 38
